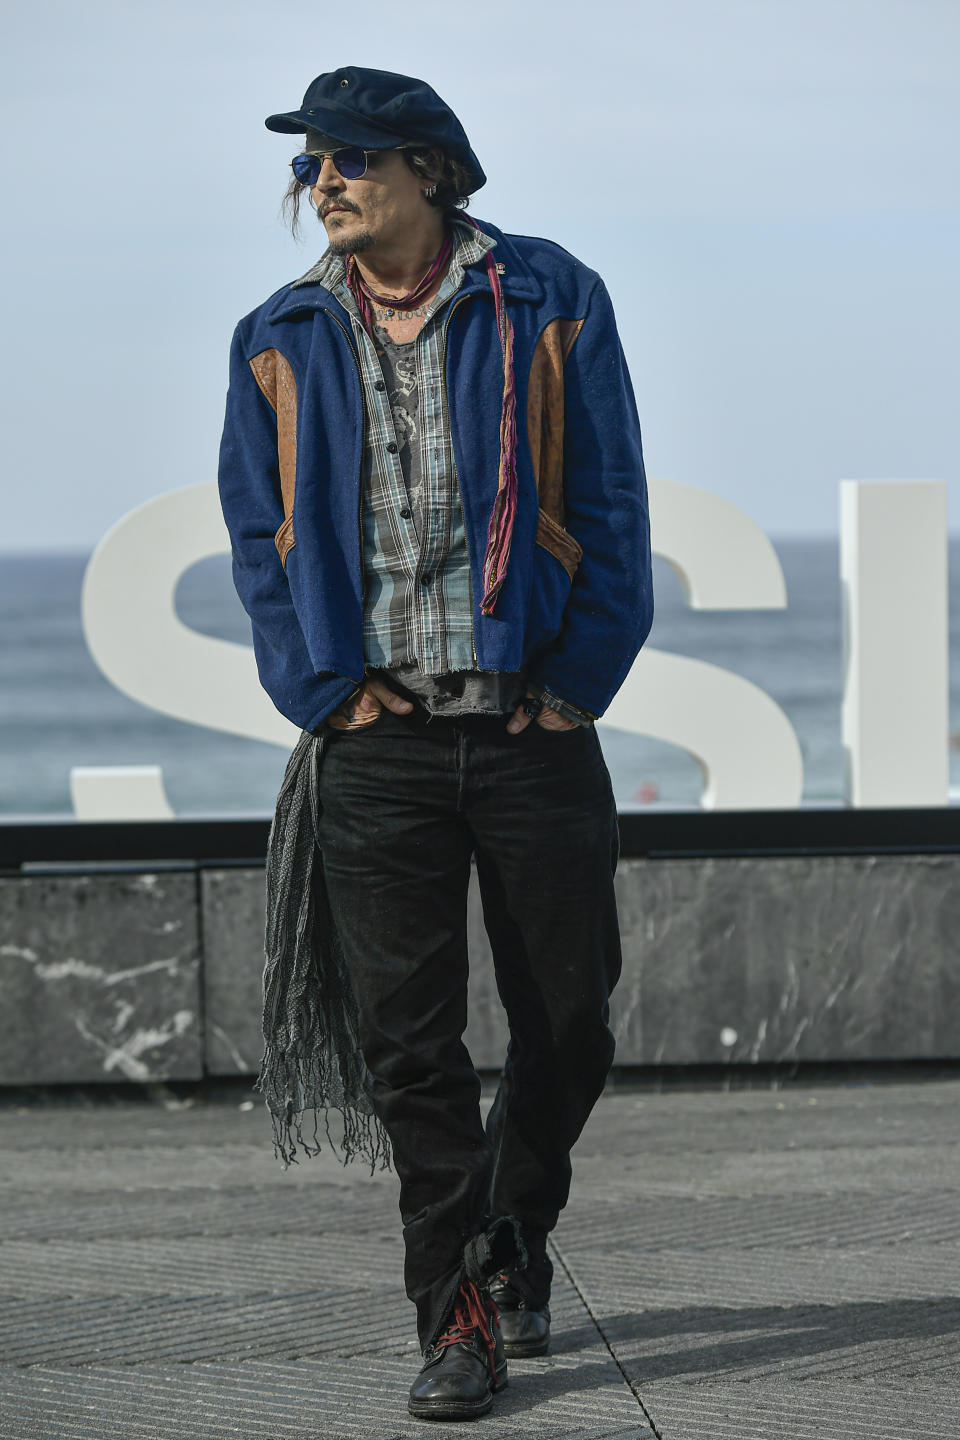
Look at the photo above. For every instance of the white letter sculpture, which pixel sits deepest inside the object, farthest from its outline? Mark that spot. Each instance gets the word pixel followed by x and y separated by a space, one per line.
pixel 142 646
pixel 895 627
pixel 893 564
pixel 741 739
pixel 139 641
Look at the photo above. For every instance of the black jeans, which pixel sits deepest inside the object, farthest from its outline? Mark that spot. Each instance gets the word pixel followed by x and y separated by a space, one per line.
pixel 406 801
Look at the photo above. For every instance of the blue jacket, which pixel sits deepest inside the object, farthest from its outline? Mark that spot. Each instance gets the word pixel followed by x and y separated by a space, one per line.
pixel 577 603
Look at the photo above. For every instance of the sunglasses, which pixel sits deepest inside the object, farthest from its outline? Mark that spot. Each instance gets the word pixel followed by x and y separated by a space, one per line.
pixel 350 162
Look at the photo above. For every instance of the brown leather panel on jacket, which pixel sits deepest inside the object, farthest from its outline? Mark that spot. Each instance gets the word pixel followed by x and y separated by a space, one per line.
pixel 284 540
pixel 545 412
pixel 559 542
pixel 273 373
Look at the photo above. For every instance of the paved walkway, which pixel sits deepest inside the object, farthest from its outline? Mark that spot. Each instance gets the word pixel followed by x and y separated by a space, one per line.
pixel 754 1264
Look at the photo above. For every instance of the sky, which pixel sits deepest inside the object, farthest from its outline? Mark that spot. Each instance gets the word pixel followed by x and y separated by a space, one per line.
pixel 769 189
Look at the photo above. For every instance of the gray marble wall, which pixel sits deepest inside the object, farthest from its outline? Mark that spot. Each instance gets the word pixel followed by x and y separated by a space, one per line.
pixel 823 958
pixel 99 978
pixel 233 913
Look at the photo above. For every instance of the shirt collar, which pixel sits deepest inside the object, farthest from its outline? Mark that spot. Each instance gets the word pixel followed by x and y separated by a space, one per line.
pixel 469 248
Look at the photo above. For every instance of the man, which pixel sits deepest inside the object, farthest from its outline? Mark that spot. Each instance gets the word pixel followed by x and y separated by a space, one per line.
pixel 432 477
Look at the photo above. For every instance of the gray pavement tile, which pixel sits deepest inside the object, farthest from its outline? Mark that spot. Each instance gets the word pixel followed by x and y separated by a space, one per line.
pixel 133 1123
pixel 804 1411
pixel 671 1122
pixel 198 1264
pixel 193 1166
pixel 703 1122
pixel 271 1209
pixel 363 1399
pixel 800 1342
pixel 207 1327
pixel 142 1124
pixel 891 1169
pixel 792 1221
pixel 765 1264
pixel 624 1279
pixel 374 1317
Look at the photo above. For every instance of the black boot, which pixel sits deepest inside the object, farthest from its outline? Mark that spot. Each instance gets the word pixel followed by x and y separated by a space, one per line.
pixel 525 1326
pixel 465 1365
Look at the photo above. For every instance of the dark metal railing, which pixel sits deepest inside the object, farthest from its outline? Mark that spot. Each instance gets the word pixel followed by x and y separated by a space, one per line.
pixel 217 840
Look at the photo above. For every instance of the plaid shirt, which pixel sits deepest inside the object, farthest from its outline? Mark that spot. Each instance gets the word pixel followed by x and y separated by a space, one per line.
pixel 418 603
pixel 417 606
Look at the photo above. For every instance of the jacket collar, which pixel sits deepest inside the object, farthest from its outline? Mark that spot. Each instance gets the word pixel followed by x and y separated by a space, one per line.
pixel 517 280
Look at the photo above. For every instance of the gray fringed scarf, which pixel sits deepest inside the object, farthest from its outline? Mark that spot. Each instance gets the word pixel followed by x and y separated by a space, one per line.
pixel 311 1058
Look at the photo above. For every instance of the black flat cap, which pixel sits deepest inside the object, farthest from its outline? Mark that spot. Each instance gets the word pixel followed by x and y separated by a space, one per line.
pixel 379 111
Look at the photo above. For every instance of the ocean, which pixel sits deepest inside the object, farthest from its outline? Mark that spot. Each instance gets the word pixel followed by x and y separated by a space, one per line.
pixel 57 710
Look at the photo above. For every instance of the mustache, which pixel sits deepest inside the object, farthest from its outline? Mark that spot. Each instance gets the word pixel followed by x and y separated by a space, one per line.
pixel 324 210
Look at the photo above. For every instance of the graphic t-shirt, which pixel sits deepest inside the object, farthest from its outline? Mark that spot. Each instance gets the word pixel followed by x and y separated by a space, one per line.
pixel 398 361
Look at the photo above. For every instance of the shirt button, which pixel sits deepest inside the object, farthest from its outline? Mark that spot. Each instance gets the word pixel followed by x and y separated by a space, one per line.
pixel 392 447
pixel 426 579
pixel 379 385
pixel 405 513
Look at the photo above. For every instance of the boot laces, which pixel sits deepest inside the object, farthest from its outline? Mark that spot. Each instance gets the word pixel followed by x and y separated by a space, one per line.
pixel 470 1318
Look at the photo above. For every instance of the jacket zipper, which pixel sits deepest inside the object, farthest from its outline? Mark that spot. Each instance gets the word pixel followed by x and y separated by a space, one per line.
pixel 456 470
pixel 363 446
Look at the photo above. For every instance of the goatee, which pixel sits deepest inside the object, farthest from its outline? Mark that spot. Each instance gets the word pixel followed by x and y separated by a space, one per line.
pixel 344 246
pixel 351 245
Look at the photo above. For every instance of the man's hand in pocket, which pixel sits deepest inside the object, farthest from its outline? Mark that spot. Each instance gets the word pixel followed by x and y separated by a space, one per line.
pixel 364 707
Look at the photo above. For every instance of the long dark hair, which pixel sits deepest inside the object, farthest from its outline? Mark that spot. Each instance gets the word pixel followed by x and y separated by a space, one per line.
pixel 428 162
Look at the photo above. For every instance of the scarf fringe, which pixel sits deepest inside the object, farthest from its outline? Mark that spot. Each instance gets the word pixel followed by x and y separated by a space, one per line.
pixel 361 1135
pixel 311 1059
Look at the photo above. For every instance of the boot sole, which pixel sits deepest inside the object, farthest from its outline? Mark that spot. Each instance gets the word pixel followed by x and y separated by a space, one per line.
pixel 524 1348
pixel 451 1410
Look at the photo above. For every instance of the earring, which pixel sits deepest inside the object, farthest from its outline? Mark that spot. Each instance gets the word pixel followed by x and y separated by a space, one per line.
pixel 429 192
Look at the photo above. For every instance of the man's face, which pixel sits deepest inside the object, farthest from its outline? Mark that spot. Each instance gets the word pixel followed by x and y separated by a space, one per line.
pixel 377 209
